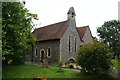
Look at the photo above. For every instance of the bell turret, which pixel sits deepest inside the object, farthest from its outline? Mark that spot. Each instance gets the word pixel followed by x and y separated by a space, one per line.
pixel 71 13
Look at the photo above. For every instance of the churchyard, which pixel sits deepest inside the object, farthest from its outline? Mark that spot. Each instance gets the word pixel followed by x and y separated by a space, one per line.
pixel 35 70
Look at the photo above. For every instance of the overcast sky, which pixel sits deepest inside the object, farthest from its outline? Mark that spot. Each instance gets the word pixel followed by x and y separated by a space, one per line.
pixel 88 12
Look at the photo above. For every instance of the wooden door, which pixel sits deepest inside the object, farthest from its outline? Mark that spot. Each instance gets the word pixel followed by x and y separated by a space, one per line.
pixel 42 55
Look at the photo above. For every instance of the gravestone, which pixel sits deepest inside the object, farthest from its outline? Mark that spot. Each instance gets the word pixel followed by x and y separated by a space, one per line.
pixel 45 63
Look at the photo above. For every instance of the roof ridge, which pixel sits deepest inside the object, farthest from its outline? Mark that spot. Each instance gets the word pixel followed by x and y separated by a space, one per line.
pixel 56 30
pixel 52 24
pixel 52 31
pixel 82 30
pixel 83 26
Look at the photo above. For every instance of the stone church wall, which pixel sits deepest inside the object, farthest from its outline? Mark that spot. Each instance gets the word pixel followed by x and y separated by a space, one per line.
pixel 87 37
pixel 71 32
pixel 44 45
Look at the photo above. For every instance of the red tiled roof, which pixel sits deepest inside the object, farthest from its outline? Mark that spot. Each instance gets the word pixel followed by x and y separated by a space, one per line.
pixel 81 30
pixel 55 31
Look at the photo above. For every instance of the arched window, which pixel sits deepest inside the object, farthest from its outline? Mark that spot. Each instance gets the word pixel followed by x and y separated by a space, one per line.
pixel 69 44
pixel 36 52
pixel 48 52
pixel 75 45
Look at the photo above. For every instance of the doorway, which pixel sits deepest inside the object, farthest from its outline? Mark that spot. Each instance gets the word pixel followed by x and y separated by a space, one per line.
pixel 42 55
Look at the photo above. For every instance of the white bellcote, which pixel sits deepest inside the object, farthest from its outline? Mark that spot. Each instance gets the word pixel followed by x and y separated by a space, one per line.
pixel 71 13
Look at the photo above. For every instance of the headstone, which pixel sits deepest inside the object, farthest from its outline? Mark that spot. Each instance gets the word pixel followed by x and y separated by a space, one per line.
pixel 79 67
pixel 63 65
pixel 45 63
pixel 74 65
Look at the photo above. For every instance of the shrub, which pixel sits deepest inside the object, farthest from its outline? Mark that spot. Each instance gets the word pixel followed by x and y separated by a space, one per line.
pixel 60 69
pixel 60 64
pixel 70 66
pixel 66 63
pixel 94 58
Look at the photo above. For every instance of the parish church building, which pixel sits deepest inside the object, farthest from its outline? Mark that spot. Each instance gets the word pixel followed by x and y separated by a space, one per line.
pixel 60 41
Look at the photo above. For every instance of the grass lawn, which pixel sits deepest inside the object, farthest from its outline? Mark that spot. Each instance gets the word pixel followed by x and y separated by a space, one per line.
pixel 116 64
pixel 33 71
pixel 30 71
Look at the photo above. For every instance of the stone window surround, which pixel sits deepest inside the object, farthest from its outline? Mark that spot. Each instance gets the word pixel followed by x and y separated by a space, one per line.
pixel 36 54
pixel 50 52
pixel 69 44
pixel 75 42
pixel 71 58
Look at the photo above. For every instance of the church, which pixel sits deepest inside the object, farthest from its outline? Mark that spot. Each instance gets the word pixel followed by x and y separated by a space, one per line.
pixel 60 41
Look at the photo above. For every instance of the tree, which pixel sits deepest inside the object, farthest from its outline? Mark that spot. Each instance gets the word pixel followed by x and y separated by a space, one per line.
pixel 94 58
pixel 118 50
pixel 109 33
pixel 95 39
pixel 16 32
